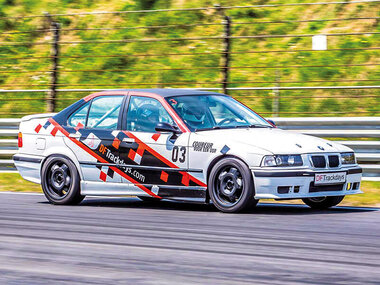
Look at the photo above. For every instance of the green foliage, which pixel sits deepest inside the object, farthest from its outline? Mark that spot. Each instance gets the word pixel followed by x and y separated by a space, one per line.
pixel 147 64
pixel 315 26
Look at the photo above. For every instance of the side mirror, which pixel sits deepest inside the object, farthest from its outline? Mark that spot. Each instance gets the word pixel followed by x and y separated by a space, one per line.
pixel 165 127
pixel 272 122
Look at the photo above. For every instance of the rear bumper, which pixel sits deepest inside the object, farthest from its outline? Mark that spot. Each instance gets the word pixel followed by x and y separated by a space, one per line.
pixel 28 166
pixel 296 184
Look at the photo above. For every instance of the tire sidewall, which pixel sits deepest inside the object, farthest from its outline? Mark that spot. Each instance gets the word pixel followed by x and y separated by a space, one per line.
pixel 74 190
pixel 248 194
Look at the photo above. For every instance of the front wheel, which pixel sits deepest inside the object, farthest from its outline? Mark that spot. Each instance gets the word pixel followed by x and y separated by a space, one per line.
pixel 60 181
pixel 230 186
pixel 321 203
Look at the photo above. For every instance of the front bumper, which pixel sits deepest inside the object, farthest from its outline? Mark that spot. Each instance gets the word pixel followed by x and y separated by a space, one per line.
pixel 297 184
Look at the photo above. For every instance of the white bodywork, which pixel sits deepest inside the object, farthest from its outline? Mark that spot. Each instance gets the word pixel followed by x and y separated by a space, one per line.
pixel 202 149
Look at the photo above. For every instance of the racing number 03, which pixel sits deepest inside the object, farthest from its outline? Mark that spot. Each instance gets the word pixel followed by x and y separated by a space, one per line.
pixel 179 153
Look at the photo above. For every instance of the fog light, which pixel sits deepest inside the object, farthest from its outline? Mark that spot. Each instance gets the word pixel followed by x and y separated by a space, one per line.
pixel 348 186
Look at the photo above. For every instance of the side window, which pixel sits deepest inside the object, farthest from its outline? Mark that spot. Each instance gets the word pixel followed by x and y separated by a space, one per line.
pixel 79 116
pixel 104 112
pixel 144 113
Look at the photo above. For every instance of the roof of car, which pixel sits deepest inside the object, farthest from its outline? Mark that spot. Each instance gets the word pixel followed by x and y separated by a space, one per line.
pixel 168 92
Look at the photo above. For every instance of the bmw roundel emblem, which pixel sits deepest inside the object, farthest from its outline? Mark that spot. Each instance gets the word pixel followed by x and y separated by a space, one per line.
pixel 321 148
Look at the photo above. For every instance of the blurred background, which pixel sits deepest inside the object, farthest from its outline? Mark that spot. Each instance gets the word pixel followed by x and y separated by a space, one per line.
pixel 312 66
pixel 264 54
pixel 301 63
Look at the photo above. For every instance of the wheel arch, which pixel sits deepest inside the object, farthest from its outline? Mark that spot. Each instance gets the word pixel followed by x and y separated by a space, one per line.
pixel 64 156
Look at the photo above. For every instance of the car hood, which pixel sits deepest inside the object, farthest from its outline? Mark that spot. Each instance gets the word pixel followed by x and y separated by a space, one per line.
pixel 274 140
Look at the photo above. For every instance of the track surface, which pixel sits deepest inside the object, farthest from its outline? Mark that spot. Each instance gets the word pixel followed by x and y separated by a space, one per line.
pixel 125 241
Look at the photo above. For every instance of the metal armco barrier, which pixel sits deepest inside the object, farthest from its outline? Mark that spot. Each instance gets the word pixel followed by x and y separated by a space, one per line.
pixel 360 133
pixel 8 143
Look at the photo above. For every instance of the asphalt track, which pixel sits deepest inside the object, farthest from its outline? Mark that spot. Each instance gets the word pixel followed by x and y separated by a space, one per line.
pixel 125 241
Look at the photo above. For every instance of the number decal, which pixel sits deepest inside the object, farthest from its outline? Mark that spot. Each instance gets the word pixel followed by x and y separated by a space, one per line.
pixel 183 153
pixel 175 154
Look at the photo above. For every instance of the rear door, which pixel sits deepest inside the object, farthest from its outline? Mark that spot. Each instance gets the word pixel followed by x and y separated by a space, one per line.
pixel 96 125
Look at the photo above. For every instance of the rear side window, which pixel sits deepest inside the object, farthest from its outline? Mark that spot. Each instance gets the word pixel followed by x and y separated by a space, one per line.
pixel 79 116
pixel 104 112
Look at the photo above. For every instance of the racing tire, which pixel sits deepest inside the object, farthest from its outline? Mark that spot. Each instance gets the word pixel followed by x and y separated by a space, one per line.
pixel 230 186
pixel 321 203
pixel 60 181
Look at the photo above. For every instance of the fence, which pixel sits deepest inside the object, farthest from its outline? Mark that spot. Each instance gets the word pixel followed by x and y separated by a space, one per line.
pixel 247 51
pixel 356 132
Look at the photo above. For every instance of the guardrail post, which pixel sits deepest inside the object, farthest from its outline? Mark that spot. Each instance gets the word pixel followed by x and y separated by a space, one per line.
pixel 225 60
pixel 52 94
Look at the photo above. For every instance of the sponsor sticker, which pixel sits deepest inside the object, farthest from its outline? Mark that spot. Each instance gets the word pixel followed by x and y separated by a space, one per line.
pixel 330 178
pixel 92 141
pixel 203 147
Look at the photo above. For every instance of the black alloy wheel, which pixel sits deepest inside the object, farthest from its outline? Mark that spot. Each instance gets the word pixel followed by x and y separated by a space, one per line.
pixel 231 185
pixel 60 181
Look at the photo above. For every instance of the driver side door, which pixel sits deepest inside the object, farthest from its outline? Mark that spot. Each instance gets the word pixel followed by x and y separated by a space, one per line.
pixel 155 159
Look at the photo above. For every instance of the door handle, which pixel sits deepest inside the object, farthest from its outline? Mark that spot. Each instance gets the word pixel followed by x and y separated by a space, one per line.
pixel 129 140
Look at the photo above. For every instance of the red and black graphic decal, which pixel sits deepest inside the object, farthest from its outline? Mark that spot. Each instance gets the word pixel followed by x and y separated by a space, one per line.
pixel 105 171
pixel 110 147
pixel 174 177
pixel 100 158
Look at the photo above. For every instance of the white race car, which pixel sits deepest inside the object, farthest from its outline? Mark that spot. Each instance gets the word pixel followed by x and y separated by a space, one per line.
pixel 179 144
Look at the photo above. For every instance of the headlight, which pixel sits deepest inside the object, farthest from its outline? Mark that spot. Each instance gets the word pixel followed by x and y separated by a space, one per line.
pixel 282 160
pixel 348 158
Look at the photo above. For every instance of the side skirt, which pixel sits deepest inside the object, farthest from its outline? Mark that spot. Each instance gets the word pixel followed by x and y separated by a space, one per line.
pixel 108 189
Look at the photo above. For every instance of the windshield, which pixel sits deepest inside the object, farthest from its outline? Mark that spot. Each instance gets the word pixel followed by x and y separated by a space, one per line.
pixel 204 112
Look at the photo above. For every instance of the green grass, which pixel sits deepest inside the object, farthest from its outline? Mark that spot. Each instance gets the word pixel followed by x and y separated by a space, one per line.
pixel 371 197
pixel 15 183
pixel 292 102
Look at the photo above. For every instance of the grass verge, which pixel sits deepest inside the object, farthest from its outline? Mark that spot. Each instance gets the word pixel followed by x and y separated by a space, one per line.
pixel 371 197
pixel 15 183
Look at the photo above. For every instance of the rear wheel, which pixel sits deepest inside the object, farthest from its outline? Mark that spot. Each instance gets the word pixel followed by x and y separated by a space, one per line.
pixel 230 186
pixel 321 203
pixel 60 181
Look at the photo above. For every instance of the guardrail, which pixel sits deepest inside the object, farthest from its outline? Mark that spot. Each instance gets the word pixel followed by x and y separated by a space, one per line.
pixel 8 143
pixel 360 133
